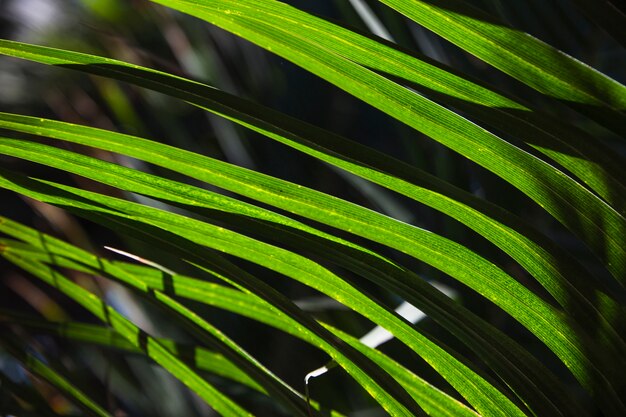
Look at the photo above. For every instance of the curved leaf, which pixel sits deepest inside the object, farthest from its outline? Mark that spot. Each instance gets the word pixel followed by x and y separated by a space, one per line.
pixel 377 269
pixel 599 225
pixel 522 56
pixel 435 402
pixel 459 321
pixel 133 334
pixel 550 265
pixel 367 222
pixel 301 269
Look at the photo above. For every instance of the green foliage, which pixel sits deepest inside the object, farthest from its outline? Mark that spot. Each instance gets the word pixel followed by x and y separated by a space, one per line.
pixel 233 230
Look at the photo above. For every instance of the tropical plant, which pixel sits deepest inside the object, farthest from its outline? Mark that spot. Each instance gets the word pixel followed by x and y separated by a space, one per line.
pixel 531 233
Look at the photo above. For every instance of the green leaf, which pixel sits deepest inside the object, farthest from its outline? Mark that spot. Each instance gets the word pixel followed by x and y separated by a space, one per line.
pixel 377 269
pixel 211 336
pixel 278 126
pixel 201 358
pixel 520 370
pixel 301 269
pixel 274 26
pixel 599 225
pixel 578 152
pixel 367 220
pixel 523 57
pixel 132 334
pixel 435 402
pixel 520 303
pixel 550 265
pixel 298 321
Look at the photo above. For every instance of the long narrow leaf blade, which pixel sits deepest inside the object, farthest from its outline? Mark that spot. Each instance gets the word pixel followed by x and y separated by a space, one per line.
pixel 520 370
pixel 333 149
pixel 132 333
pixel 532 323
pixel 562 197
pixel 303 270
pixel 522 56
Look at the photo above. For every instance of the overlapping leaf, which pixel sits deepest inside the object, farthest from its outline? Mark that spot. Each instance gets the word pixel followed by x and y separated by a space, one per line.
pixel 301 269
pixel 541 258
pixel 132 334
pixel 285 189
pixel 434 401
pixel 520 370
pixel 522 56
pixel 599 225
pixel 346 59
